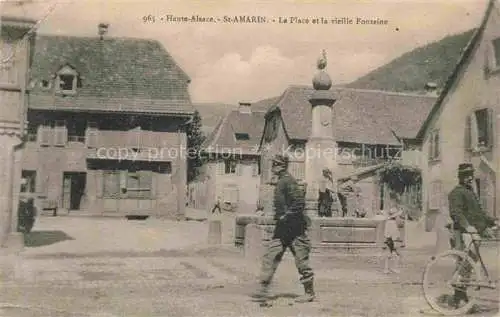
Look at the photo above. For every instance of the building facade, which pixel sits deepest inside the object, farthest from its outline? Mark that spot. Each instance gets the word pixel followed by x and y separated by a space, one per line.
pixel 370 128
pixel 464 124
pixel 106 126
pixel 16 42
pixel 232 169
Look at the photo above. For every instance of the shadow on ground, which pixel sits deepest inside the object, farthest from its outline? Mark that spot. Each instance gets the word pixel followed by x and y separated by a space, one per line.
pixel 42 238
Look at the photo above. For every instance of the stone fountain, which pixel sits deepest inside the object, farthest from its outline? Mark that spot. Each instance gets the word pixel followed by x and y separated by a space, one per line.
pixel 253 231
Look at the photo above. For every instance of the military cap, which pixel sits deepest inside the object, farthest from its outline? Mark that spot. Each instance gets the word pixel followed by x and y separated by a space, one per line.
pixel 465 169
pixel 281 159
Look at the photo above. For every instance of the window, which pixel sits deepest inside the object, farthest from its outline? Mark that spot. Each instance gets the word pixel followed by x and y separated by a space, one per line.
pixel 256 168
pixel 67 80
pixel 76 131
pixel 60 133
pixel 231 195
pixel 45 133
pixel 242 136
pixel 32 132
pixel 434 146
pixel 45 84
pixel 272 126
pixel 435 195
pixel 127 184
pixel 230 166
pixel 496 51
pixel 28 181
pixel 91 135
pixel 111 184
pixel 479 130
pixel 139 184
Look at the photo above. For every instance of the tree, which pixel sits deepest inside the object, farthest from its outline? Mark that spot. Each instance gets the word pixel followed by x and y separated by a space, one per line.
pixel 195 139
pixel 398 177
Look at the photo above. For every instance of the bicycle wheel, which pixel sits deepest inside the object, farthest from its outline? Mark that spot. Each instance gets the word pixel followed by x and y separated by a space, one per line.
pixel 446 273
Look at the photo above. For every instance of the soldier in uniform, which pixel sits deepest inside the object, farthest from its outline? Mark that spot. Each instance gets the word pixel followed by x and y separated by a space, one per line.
pixel 290 232
pixel 467 217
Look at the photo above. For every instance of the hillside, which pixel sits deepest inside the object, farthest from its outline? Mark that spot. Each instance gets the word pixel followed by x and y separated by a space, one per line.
pixel 411 71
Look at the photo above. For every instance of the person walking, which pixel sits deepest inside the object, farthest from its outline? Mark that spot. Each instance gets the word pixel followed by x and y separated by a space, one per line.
pixel 392 236
pixel 467 217
pixel 290 232
pixel 217 206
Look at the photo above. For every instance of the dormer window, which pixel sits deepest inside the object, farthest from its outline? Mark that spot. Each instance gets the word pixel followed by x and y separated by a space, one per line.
pixel 45 84
pixel 67 80
pixel 242 136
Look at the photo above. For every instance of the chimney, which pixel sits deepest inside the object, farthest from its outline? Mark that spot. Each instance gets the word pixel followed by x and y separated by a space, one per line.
pixel 431 88
pixel 245 107
pixel 102 29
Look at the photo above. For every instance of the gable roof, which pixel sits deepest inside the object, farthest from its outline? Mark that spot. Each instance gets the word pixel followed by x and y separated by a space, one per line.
pixel 359 116
pixel 455 76
pixel 211 115
pixel 123 69
pixel 223 138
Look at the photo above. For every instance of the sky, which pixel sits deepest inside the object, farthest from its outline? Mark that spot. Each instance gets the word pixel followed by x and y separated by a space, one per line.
pixel 229 63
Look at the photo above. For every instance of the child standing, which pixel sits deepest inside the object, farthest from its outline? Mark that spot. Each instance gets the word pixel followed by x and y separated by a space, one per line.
pixel 392 237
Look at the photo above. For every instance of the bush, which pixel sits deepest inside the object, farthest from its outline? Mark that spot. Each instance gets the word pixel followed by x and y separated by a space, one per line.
pixel 26 215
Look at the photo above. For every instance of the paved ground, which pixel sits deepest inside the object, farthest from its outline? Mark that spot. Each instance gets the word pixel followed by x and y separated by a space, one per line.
pixel 117 268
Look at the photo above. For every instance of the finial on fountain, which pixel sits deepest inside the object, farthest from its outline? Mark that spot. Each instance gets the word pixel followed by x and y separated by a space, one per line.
pixel 322 61
pixel 321 80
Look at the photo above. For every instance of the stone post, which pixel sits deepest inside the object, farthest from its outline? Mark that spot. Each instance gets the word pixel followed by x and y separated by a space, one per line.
pixel 16 43
pixel 321 147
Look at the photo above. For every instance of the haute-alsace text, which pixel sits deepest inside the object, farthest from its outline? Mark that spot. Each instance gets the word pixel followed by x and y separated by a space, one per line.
pixel 170 18
pixel 196 18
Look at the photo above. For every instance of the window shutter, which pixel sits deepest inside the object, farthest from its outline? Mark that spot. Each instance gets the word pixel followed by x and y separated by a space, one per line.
pixel 431 146
pixel 474 134
pixel 44 135
pixel 220 167
pixel 99 180
pixel 468 131
pixel 239 166
pixel 489 128
pixel 146 182
pixel 110 184
pixel 60 136
pixel 255 168
pixel 437 144
pixel 91 138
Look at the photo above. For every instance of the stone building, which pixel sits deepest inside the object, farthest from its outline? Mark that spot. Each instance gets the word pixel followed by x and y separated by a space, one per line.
pixel 16 51
pixel 232 170
pixel 464 124
pixel 106 126
pixel 367 129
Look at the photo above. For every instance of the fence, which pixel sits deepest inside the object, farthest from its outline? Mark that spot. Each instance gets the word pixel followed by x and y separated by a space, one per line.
pixel 412 200
pixel 198 195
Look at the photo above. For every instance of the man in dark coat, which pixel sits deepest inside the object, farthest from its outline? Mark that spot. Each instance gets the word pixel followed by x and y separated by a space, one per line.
pixel 467 217
pixel 290 232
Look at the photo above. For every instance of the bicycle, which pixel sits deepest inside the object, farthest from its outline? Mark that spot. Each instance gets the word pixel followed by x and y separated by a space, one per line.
pixel 468 275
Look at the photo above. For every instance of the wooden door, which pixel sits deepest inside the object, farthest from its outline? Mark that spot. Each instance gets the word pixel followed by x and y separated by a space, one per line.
pixel 66 192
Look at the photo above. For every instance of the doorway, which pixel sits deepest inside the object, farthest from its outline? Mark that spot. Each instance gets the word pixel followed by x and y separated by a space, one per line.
pixel 73 189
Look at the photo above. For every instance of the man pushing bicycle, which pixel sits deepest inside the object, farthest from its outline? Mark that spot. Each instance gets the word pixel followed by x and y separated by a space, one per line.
pixel 467 217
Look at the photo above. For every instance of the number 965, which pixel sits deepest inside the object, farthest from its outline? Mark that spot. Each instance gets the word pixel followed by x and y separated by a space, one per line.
pixel 148 19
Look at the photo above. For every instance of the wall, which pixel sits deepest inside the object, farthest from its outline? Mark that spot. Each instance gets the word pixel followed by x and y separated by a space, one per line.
pixel 474 90
pixel 170 189
pixel 244 180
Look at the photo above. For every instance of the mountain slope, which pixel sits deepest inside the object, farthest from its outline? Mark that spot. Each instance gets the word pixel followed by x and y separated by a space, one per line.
pixel 411 71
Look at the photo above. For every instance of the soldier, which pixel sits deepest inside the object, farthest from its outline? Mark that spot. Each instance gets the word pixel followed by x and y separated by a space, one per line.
pixel 290 232
pixel 467 216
